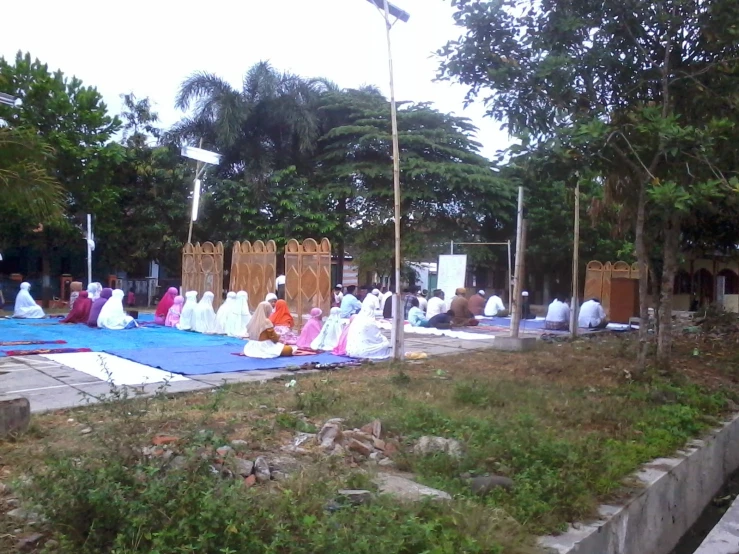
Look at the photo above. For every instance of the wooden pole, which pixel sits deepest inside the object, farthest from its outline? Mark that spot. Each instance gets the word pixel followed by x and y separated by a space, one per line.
pixel 517 276
pixel 398 315
pixel 89 248
pixel 575 266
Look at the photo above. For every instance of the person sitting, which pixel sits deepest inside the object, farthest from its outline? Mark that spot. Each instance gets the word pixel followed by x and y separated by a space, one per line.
pixel 387 307
pixel 495 306
pixel 592 315
pixel 272 299
pixel 558 316
pixel 436 304
pixel 410 294
pixel 372 300
pixel 364 339
pixel 526 312
pixel 223 312
pixel 25 305
pixel 75 287
pixel 265 343
pixel 131 298
pixel 330 333
pixel 97 291
pixel 416 317
pixel 204 316
pixel 460 307
pixel 112 315
pixel 311 329
pixel 188 311
pixel 442 321
pixel 337 295
pixel 283 323
pixel 422 302
pixel 160 315
pixel 173 314
pixel 98 305
pixel 349 304
pixel 239 316
pixel 80 311
pixel 476 303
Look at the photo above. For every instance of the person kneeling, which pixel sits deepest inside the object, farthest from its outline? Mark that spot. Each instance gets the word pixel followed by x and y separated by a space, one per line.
pixel 592 315
pixel 264 342
pixel 416 316
pixel 558 316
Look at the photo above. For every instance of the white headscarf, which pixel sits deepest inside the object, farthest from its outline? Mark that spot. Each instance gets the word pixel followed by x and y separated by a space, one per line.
pixel 97 290
pixel 239 316
pixel 25 305
pixel 91 290
pixel 372 301
pixel 188 310
pixel 330 333
pixel 223 312
pixel 364 339
pixel 270 297
pixel 204 316
pixel 260 321
pixel 113 316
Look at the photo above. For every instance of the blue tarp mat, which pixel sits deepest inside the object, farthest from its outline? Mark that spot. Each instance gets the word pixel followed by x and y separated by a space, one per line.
pixel 99 340
pixel 506 322
pixel 215 359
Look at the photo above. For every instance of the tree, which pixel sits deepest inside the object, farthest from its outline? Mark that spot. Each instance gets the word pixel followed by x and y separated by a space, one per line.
pixel 70 121
pixel 447 187
pixel 641 89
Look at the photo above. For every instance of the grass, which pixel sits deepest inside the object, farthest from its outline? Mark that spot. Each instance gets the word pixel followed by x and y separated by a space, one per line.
pixel 566 423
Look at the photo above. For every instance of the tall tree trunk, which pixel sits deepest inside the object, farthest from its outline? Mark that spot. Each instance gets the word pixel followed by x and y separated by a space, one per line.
pixel 669 269
pixel 642 260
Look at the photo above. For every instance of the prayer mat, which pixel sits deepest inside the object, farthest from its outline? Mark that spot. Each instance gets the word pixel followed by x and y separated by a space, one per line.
pixel 296 352
pixel 45 351
pixel 26 342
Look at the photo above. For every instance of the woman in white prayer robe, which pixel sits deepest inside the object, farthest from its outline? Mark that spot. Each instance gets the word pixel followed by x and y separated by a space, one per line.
pixel 204 316
pixel 330 333
pixel 97 290
pixel 188 310
pixel 25 305
pixel 223 312
pixel 113 316
pixel 239 316
pixel 365 340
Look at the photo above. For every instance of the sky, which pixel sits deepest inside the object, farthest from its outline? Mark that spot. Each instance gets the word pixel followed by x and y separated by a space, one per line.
pixel 149 47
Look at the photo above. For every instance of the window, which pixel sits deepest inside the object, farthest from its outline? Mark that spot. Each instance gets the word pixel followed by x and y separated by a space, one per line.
pixel 731 284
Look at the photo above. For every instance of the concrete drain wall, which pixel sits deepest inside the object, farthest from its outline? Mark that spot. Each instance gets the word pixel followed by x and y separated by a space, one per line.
pixel 676 491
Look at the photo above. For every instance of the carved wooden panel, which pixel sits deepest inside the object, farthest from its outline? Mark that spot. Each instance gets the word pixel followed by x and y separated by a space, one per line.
pixel 307 276
pixel 202 269
pixel 253 269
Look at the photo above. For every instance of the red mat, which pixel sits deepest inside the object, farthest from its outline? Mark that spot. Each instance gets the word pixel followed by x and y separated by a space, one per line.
pixel 45 351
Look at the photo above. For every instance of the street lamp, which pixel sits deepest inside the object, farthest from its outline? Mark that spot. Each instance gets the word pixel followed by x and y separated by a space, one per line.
pixel 203 157
pixel 10 100
pixel 387 9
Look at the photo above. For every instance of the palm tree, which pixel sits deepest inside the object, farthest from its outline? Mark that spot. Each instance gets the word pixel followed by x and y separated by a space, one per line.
pixel 268 125
pixel 25 184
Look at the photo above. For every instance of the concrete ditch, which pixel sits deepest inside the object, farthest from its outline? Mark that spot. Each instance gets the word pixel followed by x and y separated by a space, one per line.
pixel 676 490
pixel 724 538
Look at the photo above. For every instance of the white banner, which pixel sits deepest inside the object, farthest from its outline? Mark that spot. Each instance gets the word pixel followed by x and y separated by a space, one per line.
pixel 452 273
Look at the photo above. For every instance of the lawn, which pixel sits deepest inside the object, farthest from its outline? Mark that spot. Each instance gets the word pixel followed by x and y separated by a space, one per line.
pixel 567 423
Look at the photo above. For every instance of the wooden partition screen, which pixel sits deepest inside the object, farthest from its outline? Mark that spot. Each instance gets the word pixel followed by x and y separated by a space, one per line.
pixel 599 276
pixel 202 270
pixel 253 269
pixel 307 277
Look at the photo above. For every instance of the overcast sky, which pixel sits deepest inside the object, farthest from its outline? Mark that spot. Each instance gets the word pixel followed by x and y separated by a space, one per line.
pixel 149 47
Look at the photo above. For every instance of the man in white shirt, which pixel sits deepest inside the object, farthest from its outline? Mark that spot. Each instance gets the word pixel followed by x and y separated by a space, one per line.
pixel 436 304
pixel 558 316
pixel 338 295
pixel 592 315
pixel 422 302
pixel 495 307
pixel 280 286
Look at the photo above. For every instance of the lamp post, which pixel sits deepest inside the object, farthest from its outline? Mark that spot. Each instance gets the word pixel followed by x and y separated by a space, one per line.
pixel 203 157
pixel 387 9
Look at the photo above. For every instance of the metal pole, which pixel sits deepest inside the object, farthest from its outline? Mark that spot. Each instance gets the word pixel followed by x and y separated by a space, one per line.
pixel 510 275
pixel 452 252
pixel 515 300
pixel 89 249
pixel 575 265
pixel 398 316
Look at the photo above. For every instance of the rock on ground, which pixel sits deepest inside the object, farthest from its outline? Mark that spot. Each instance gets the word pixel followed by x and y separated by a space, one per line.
pixel 404 488
pixel 261 470
pixel 487 483
pixel 435 445
pixel 356 497
pixel 329 433
pixel 240 466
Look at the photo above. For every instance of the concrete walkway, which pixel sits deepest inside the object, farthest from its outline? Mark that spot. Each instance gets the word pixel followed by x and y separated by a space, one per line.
pixel 50 385
pixel 724 538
